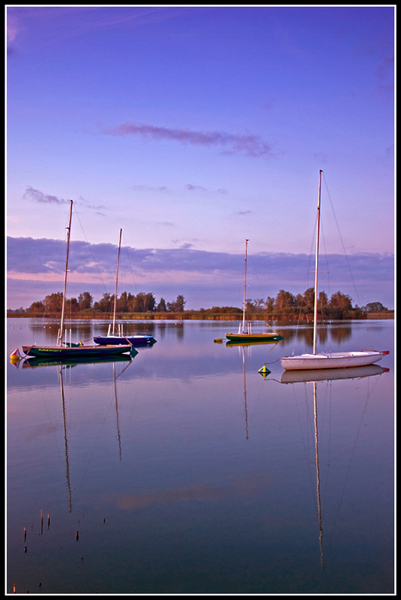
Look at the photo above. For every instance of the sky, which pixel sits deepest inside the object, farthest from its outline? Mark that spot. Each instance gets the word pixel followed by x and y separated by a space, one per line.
pixel 192 129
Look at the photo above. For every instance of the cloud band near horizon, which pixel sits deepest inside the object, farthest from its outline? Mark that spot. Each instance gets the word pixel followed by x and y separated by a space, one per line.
pixel 205 278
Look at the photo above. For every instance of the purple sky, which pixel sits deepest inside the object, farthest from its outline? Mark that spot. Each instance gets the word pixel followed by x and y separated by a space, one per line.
pixel 192 129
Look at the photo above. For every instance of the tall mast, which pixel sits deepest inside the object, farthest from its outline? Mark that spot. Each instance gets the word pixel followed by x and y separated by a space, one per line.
pixel 316 264
pixel 115 294
pixel 244 303
pixel 60 332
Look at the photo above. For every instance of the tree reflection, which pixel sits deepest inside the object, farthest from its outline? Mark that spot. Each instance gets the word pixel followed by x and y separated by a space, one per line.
pixel 339 334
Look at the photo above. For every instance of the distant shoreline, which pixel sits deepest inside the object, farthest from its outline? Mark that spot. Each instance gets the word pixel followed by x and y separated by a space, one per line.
pixel 193 315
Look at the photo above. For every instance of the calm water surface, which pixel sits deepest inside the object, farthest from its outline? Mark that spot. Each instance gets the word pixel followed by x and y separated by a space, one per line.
pixel 187 471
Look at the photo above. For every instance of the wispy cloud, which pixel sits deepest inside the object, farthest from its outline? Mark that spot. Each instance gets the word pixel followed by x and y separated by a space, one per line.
pixel 148 188
pixel 249 145
pixel 42 198
pixel 39 196
pixel 193 188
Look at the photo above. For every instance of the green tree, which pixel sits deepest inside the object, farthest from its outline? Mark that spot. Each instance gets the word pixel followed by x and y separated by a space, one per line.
pixel 269 304
pixel 105 304
pixel 150 302
pixel 177 306
pixel 284 300
pixel 122 303
pixel 340 300
pixel 309 299
pixel 140 302
pixel 339 306
pixel 71 305
pixel 53 303
pixel 322 301
pixel 85 301
pixel 374 307
pixel 300 301
pixel 37 308
pixel 161 307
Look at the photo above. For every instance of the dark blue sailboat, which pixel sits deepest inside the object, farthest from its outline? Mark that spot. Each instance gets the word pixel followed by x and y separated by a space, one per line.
pixel 115 335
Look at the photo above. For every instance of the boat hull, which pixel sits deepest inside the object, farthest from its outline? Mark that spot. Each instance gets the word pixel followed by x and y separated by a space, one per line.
pixel 247 338
pixel 76 351
pixel 333 360
pixel 135 340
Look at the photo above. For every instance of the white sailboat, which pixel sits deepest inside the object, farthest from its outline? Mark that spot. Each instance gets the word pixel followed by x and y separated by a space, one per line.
pixel 328 360
pixel 245 334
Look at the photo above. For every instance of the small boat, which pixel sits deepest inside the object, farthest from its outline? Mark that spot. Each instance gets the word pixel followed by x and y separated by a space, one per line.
pixel 67 349
pixel 245 334
pixel 115 335
pixel 328 360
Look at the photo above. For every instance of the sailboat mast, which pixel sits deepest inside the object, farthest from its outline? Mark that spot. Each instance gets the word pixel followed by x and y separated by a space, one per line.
pixel 316 264
pixel 244 302
pixel 115 294
pixel 60 333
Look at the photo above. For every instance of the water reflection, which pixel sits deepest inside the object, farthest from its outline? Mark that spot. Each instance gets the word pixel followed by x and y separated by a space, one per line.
pixel 63 366
pixel 329 376
pixel 324 334
pixel 313 375
pixel 84 331
pixel 210 478
pixel 67 465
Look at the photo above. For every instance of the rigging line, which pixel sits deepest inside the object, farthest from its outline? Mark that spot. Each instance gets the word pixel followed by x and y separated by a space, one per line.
pixel 341 239
pixel 90 249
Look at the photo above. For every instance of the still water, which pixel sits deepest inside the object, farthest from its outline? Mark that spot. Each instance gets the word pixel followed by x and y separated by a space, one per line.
pixel 185 471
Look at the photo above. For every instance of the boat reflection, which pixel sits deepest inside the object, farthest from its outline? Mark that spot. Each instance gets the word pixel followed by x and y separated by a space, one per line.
pixel 313 375
pixel 115 377
pixel 320 375
pixel 255 343
pixel 241 349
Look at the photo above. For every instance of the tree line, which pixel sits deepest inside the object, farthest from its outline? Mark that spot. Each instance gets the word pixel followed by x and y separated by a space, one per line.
pixel 284 305
pixel 126 303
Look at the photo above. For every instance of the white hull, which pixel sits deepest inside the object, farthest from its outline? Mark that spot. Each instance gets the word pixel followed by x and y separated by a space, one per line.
pixel 331 360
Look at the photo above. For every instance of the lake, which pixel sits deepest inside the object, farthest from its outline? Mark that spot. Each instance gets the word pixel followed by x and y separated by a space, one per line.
pixel 185 471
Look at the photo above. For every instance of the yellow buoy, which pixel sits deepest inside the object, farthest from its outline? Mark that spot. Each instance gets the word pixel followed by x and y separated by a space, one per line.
pixel 15 356
pixel 264 371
